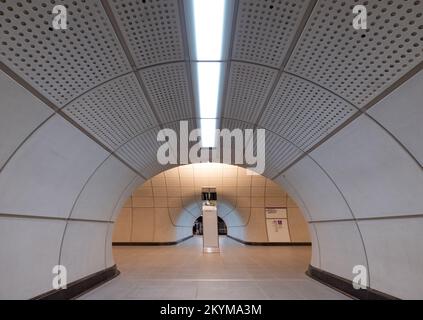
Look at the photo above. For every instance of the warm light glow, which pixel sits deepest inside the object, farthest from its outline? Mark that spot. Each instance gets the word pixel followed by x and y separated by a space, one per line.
pixel 209 20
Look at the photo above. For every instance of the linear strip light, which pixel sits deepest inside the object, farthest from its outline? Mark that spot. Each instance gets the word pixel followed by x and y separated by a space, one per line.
pixel 209 20
pixel 208 75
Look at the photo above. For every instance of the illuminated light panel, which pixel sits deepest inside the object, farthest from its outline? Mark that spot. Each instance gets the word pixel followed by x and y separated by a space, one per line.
pixel 208 133
pixel 209 21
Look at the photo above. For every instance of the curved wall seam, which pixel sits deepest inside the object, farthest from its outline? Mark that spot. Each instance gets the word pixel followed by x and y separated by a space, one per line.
pixel 23 142
pixel 76 201
pixel 111 217
pixel 305 209
pixel 352 214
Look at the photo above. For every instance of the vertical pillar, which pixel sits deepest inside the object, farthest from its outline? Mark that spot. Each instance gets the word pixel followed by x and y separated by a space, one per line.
pixel 210 232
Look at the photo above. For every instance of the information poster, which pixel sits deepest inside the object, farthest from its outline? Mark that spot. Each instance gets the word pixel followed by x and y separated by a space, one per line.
pixel 277 225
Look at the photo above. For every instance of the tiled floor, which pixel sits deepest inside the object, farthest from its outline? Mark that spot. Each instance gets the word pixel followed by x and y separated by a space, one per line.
pixel 238 272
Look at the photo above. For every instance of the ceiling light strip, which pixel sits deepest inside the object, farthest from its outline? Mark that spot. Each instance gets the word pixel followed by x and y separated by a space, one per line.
pixel 209 23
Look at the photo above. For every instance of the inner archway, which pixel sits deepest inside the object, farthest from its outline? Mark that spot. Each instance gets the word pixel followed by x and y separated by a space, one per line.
pixel 157 237
pixel 164 209
pixel 197 228
pixel 341 109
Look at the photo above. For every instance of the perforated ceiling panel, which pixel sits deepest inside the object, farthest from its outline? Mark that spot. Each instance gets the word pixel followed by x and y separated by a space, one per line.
pixel 232 124
pixel 359 65
pixel 303 112
pixel 176 126
pixel 265 29
pixel 279 154
pixel 169 89
pixel 152 30
pixel 62 64
pixel 141 153
pixel 248 88
pixel 114 112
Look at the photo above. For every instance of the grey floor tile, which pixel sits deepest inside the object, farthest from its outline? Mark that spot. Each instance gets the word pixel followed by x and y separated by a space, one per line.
pixel 238 272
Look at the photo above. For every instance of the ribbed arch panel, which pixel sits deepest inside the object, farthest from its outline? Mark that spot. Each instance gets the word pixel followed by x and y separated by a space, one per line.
pixel 303 112
pixel 114 112
pixel 62 64
pixel 248 88
pixel 141 153
pixel 359 64
pixel 152 30
pixel 279 154
pixel 169 88
pixel 265 29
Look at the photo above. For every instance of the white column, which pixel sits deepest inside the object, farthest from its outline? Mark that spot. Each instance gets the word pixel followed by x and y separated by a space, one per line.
pixel 210 232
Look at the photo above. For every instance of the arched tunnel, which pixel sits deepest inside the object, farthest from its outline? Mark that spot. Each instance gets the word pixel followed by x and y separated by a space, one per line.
pixel 82 110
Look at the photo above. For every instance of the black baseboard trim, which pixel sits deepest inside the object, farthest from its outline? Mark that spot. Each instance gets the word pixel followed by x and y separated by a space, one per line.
pixel 82 286
pixel 271 244
pixel 346 286
pixel 135 244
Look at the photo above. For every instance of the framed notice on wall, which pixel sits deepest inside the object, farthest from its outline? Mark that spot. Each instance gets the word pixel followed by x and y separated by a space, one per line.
pixel 277 225
pixel 276 213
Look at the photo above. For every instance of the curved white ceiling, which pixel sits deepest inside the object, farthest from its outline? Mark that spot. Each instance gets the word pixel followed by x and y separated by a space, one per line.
pixel 122 70
pixel 342 109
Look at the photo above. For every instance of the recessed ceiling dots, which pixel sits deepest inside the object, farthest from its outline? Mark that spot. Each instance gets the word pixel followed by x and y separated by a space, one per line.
pixel 248 87
pixel 114 112
pixel 304 113
pixel 266 28
pixel 152 30
pixel 359 64
pixel 169 89
pixel 138 153
pixel 61 64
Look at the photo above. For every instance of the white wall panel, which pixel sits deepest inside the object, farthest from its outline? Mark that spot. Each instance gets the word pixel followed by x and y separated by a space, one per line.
pixel 315 247
pixel 323 200
pixel 376 176
pixel 49 170
pixel 108 249
pixel 124 196
pixel 401 113
pixel 83 249
pixel 294 196
pixel 20 114
pixel 99 197
pixel 28 252
pixel 395 255
pixel 340 247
